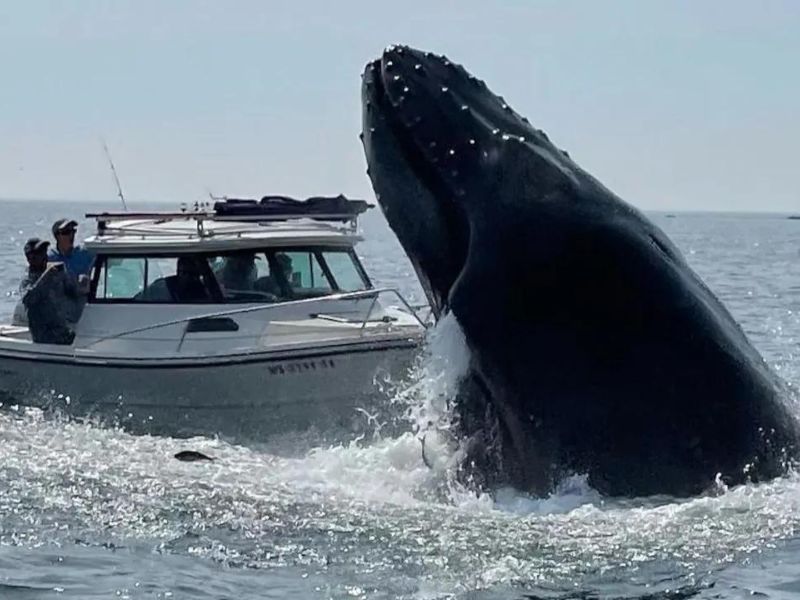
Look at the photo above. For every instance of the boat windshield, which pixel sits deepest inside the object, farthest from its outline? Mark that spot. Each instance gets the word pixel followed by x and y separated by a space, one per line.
pixel 268 275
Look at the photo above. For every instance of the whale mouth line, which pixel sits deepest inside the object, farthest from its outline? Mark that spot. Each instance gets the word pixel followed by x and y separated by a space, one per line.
pixel 451 213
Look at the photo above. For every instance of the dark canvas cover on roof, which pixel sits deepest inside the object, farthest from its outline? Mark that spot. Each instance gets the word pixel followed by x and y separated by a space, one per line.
pixel 328 208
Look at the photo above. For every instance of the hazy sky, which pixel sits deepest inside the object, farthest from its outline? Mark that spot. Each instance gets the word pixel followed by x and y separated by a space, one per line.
pixel 674 105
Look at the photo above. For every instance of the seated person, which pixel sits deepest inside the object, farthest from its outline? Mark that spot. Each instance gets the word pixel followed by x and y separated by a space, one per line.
pixel 276 282
pixel 239 272
pixel 185 287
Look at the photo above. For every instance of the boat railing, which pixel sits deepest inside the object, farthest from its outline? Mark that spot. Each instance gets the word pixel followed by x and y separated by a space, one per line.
pixel 140 223
pixel 374 294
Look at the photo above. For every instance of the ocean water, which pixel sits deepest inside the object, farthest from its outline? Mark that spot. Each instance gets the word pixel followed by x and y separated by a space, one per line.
pixel 90 511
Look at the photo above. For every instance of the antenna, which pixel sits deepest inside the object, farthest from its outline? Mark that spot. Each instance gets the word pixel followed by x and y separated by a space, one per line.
pixel 114 173
pixel 213 197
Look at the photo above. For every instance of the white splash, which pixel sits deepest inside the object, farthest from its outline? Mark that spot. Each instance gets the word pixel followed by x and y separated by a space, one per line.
pixel 440 367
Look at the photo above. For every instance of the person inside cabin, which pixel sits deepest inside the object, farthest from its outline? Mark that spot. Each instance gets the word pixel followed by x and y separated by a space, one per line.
pixel 285 265
pixel 276 281
pixel 185 287
pixel 239 272
pixel 48 297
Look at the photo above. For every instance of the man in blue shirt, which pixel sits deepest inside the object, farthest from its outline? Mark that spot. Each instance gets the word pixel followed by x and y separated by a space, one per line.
pixel 76 260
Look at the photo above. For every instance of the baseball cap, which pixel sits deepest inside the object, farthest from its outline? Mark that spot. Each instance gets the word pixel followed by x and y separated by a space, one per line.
pixel 36 245
pixel 63 225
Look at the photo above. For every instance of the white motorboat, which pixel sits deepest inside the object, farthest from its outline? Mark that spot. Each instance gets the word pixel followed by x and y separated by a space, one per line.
pixel 275 325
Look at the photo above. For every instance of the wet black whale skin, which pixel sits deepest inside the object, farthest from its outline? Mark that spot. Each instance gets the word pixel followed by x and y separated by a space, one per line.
pixel 594 345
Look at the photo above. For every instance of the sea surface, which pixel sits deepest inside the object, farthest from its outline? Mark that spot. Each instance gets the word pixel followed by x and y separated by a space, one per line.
pixel 90 511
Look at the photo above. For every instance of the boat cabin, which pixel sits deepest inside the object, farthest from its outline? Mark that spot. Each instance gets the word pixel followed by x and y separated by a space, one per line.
pixel 232 254
pixel 269 272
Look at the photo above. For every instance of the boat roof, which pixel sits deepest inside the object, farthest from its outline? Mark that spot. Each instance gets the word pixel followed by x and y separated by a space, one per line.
pixel 230 224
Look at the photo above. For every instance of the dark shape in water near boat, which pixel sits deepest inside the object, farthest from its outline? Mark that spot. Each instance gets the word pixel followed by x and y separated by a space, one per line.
pixel 191 456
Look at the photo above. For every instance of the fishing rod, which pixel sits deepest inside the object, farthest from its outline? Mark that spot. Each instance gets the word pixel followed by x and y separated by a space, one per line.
pixel 114 173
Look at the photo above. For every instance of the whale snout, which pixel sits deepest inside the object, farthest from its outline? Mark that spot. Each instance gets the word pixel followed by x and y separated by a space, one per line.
pixel 433 104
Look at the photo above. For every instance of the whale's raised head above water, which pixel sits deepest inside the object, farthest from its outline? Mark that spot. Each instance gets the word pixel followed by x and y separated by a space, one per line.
pixel 595 347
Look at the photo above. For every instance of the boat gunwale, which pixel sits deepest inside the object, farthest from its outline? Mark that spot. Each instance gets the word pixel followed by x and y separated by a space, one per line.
pixel 73 358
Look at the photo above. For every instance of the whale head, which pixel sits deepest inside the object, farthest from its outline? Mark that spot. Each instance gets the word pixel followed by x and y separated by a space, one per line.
pixel 444 155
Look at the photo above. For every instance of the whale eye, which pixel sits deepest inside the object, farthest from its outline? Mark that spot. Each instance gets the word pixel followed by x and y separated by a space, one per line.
pixel 445 89
pixel 417 67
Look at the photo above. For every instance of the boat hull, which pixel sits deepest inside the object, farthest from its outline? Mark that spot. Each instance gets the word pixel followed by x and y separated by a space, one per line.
pixel 246 397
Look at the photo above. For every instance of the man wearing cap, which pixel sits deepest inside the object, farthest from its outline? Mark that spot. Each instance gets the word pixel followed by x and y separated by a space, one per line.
pixel 47 297
pixel 78 261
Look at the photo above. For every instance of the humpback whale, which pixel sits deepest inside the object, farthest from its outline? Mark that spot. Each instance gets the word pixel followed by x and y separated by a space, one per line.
pixel 595 348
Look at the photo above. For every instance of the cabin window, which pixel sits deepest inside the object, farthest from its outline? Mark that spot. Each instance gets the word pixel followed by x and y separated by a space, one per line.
pixel 280 275
pixel 245 277
pixel 262 275
pixel 121 278
pixel 344 270
pixel 160 268
pixel 185 280
pixel 304 273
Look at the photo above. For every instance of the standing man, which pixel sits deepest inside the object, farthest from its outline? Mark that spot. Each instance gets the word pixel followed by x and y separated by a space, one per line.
pixel 48 296
pixel 77 260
